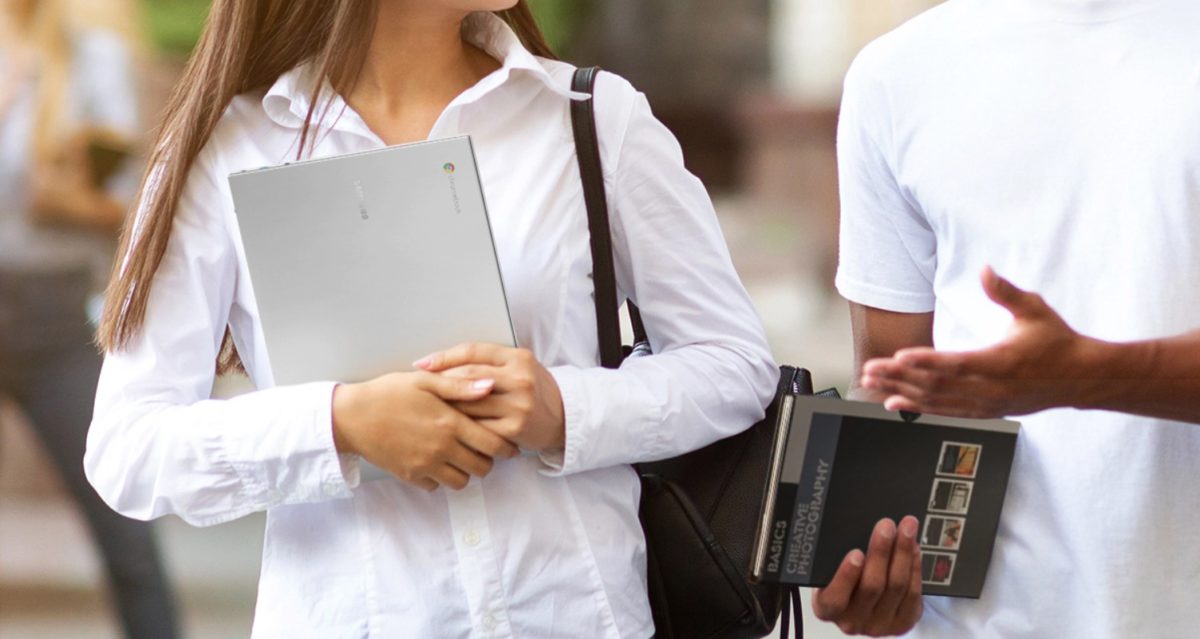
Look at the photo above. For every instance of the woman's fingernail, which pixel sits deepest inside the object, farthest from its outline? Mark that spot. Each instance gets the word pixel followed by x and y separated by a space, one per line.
pixel 908 528
pixel 483 384
pixel 424 362
pixel 856 559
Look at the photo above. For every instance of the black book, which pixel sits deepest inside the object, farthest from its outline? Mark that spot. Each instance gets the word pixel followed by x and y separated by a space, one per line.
pixel 842 466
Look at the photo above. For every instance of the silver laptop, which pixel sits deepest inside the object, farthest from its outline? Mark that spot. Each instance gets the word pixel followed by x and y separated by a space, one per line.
pixel 363 263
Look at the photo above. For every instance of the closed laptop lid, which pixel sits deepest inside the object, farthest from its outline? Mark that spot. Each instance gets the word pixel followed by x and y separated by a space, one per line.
pixel 362 263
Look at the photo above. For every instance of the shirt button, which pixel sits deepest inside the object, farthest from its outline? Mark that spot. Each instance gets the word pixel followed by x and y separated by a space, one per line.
pixel 489 622
pixel 471 538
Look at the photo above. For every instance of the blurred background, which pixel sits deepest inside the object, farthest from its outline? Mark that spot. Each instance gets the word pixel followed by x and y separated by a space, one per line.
pixel 750 88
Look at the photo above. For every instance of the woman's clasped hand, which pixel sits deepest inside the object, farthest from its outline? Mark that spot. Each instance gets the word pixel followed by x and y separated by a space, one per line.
pixel 459 412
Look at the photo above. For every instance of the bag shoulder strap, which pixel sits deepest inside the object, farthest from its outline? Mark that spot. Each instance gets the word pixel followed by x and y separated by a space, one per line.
pixel 587 150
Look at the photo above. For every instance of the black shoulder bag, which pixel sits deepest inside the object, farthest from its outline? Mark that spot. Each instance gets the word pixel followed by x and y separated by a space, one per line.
pixel 700 512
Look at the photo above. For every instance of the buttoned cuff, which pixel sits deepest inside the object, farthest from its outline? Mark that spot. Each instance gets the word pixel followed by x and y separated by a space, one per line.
pixel 338 473
pixel 608 422
pixel 292 458
pixel 559 462
pixel 351 473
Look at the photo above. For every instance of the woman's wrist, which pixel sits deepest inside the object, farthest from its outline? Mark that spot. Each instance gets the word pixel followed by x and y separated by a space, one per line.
pixel 345 399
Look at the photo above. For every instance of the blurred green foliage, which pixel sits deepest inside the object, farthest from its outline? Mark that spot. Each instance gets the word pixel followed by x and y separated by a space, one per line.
pixel 560 20
pixel 175 25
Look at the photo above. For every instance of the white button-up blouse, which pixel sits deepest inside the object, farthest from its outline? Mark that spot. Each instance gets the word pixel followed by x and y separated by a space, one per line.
pixel 545 546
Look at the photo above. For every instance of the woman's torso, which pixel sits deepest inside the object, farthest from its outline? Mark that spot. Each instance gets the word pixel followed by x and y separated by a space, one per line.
pixel 517 553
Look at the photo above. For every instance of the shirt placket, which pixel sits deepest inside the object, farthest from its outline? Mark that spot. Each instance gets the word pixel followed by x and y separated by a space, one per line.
pixel 478 569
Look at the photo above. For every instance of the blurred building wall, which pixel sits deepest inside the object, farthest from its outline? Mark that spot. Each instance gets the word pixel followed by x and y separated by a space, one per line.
pixel 693 59
pixel 789 130
pixel 701 61
pixel 814 41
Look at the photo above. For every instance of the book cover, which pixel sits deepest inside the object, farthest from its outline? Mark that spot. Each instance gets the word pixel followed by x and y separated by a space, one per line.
pixel 846 465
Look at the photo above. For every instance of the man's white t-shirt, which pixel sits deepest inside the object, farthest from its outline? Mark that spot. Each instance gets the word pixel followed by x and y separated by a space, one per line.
pixel 1058 141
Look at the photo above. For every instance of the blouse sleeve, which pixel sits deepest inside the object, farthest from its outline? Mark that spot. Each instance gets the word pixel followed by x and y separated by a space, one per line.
pixel 711 374
pixel 158 444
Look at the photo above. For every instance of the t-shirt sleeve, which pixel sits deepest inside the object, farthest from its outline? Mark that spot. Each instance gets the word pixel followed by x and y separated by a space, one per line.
pixel 887 253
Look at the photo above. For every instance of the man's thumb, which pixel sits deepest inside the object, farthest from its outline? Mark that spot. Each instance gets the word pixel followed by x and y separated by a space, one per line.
pixel 1003 292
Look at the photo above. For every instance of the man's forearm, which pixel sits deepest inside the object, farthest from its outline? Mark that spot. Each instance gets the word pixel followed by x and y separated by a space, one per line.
pixel 1156 378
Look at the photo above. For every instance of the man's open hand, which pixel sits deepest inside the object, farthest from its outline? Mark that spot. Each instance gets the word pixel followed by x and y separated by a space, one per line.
pixel 1041 364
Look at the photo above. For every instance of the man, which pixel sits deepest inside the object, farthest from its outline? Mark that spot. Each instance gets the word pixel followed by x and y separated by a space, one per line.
pixel 1059 142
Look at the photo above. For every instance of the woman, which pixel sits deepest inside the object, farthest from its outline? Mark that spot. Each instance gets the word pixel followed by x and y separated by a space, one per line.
pixel 473 540
pixel 67 113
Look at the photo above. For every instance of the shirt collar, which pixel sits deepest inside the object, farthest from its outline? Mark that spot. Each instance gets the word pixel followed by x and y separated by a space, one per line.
pixel 288 100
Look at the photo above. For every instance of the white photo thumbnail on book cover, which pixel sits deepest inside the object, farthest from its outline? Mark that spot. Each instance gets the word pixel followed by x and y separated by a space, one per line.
pixel 950 496
pixel 942 532
pixel 959 459
pixel 937 568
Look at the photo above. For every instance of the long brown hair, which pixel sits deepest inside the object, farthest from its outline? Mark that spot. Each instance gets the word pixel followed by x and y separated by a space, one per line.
pixel 246 45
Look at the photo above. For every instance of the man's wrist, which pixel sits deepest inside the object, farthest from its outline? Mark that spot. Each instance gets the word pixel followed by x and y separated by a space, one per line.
pixel 1105 366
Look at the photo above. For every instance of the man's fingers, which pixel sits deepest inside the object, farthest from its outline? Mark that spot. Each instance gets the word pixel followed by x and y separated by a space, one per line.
pixel 909 391
pixel 926 363
pixel 909 612
pixel 950 364
pixel 902 395
pixel 830 603
pixel 929 380
pixel 897 403
pixel 880 367
pixel 451 389
pixel 969 396
pixel 922 391
pixel 463 354
pixel 900 570
pixel 1003 292
pixel 874 574
pixel 943 362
